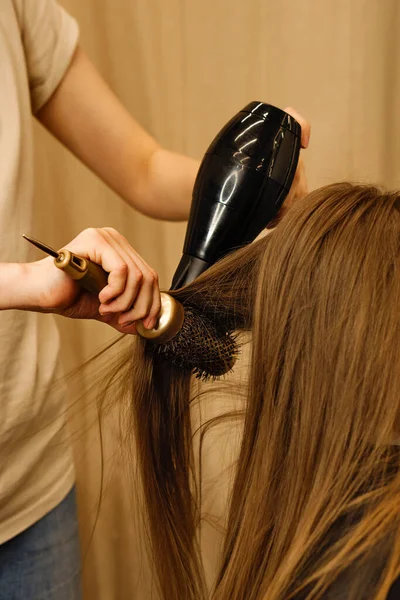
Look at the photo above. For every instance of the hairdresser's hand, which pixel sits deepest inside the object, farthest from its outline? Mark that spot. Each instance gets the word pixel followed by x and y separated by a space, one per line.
pixel 132 292
pixel 299 188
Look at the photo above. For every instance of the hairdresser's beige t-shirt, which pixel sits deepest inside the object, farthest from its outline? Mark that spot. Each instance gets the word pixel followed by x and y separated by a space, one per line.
pixel 37 41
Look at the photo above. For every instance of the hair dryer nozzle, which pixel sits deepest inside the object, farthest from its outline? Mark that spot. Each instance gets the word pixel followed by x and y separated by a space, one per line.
pixel 188 269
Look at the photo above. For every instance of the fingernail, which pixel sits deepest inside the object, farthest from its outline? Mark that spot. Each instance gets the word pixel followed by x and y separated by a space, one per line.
pixel 306 141
pixel 150 324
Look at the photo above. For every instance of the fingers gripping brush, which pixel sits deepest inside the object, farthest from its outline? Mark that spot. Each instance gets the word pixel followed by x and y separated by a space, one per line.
pixel 187 339
pixel 241 185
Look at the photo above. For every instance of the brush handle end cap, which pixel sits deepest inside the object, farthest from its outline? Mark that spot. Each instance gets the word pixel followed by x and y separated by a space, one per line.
pixel 89 275
pixel 169 322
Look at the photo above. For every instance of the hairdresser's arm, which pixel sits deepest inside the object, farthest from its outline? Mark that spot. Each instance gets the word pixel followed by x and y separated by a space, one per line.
pixel 132 292
pixel 87 118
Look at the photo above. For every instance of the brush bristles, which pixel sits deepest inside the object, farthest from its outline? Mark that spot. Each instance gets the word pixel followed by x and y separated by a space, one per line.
pixel 200 347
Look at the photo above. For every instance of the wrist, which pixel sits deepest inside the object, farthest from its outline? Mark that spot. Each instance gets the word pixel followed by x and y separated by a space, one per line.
pixel 16 286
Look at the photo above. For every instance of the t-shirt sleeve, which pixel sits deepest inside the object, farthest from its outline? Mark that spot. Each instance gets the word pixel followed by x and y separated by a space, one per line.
pixel 49 36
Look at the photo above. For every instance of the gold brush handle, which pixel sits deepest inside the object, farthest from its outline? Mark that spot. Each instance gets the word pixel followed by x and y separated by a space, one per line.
pixel 89 275
pixel 95 278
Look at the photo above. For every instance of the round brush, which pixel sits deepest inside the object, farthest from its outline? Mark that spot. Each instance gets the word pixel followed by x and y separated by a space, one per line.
pixel 190 340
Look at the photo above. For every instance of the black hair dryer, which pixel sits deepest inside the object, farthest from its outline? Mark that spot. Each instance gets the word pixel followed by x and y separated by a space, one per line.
pixel 242 182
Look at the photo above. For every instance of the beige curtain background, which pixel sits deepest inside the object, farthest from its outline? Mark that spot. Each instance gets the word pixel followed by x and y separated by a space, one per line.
pixel 183 68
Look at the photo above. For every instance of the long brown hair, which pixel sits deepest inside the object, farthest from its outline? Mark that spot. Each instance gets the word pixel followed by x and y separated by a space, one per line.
pixel 316 497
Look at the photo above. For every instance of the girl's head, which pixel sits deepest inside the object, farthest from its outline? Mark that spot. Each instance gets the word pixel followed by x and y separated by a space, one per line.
pixel 316 488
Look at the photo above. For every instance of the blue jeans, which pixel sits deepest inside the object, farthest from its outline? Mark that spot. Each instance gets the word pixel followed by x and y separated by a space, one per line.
pixel 43 562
